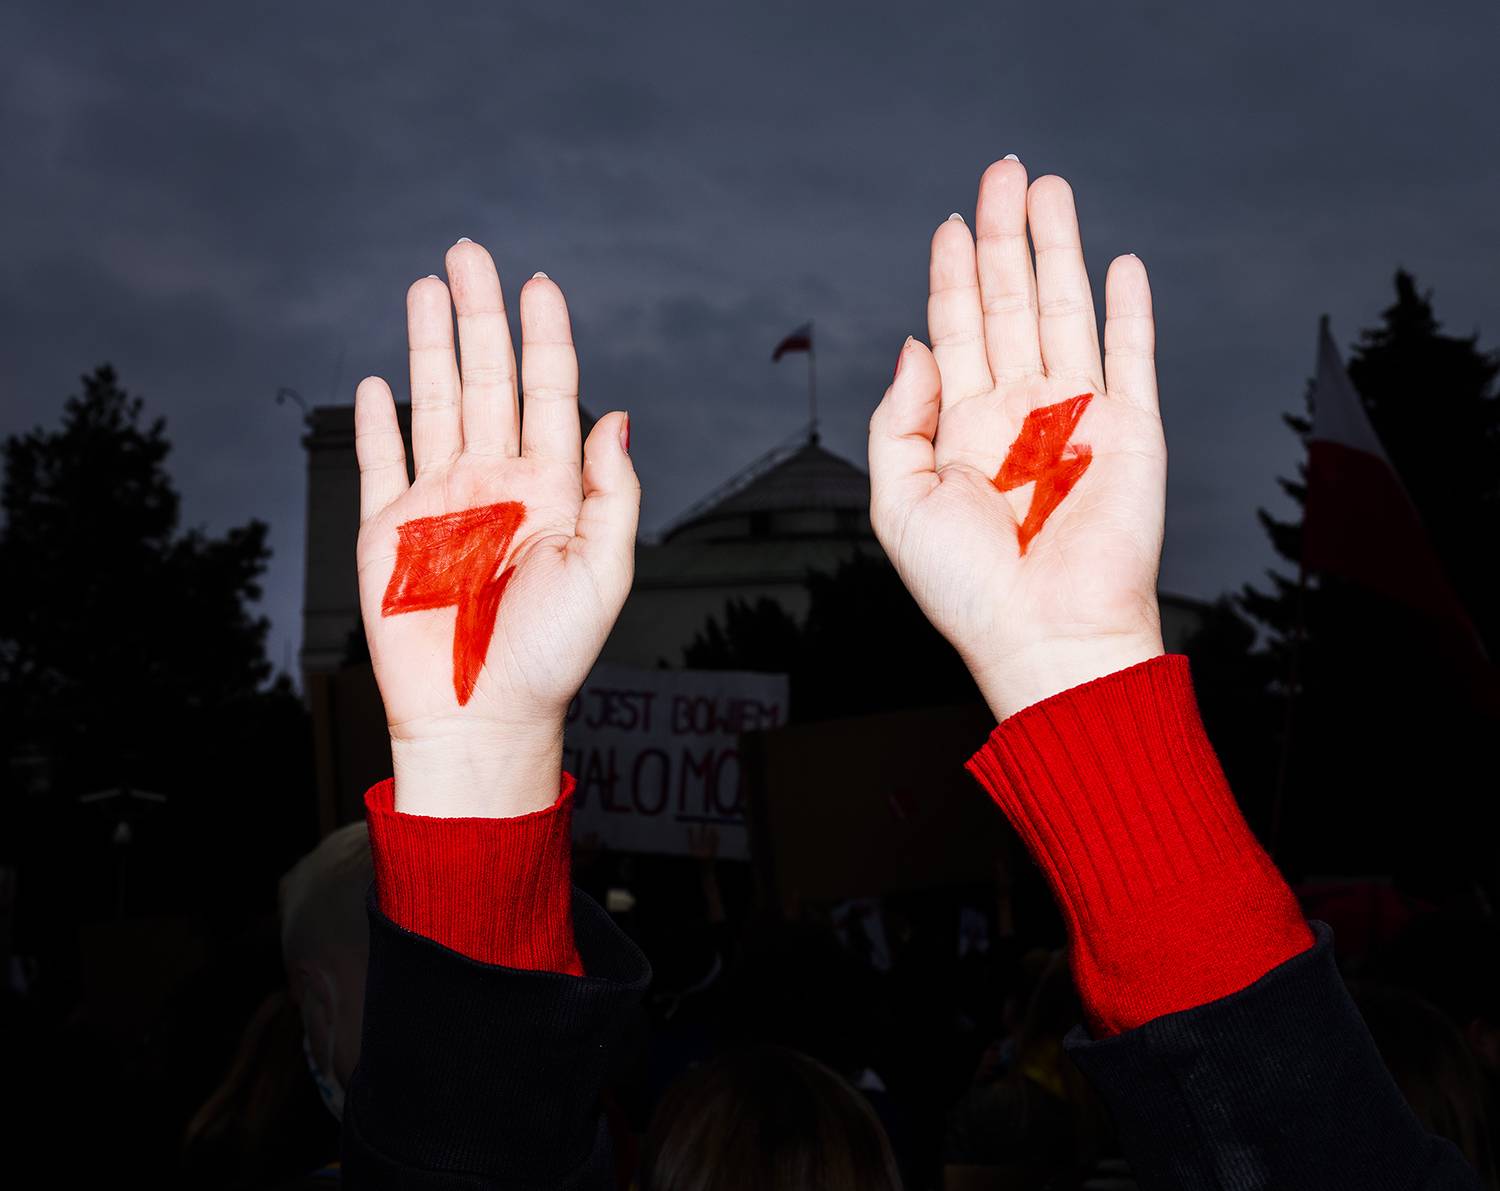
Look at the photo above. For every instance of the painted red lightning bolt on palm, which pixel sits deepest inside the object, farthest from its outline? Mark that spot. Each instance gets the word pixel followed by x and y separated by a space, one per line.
pixel 452 561
pixel 1042 453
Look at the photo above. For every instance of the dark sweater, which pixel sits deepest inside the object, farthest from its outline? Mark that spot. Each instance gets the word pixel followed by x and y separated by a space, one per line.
pixel 476 1076
pixel 472 1075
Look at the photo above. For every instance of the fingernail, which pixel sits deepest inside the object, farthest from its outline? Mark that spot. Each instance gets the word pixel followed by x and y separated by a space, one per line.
pixel 625 435
pixel 900 356
pixel 463 240
pixel 540 274
pixel 956 216
pixel 1011 157
pixel 433 277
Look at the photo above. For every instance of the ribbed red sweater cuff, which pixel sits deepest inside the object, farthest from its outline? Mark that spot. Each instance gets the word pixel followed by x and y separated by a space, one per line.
pixel 1169 899
pixel 496 890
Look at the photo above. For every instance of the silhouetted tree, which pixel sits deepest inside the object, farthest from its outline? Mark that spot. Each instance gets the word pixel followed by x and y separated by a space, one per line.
pixel 1387 740
pixel 863 647
pixel 1234 680
pixel 1432 400
pixel 754 636
pixel 129 649
pixel 114 623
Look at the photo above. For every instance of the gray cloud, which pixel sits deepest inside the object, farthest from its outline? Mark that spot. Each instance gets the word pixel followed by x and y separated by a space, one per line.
pixel 222 201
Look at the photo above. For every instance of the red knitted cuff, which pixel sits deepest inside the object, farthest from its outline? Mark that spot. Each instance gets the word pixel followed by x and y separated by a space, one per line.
pixel 496 890
pixel 1169 899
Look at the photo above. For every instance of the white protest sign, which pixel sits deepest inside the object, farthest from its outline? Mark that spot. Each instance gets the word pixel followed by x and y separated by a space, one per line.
pixel 656 753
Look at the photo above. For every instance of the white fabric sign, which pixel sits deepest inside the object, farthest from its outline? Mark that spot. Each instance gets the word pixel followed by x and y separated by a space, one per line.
pixel 656 754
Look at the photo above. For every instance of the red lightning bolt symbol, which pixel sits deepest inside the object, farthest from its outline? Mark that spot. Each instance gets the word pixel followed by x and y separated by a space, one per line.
pixel 1042 453
pixel 452 560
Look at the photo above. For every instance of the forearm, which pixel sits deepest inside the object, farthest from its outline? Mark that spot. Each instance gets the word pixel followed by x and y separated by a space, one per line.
pixel 1223 1039
pixel 1277 1086
pixel 1018 483
pixel 471 839
pixel 488 585
pixel 494 889
pixel 494 772
pixel 1115 789
pixel 485 1045
pixel 480 1076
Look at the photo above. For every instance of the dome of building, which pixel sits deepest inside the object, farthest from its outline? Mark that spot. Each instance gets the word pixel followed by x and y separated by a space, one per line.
pixel 799 492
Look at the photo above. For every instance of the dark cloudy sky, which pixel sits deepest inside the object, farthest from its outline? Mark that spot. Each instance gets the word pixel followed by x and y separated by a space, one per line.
pixel 222 199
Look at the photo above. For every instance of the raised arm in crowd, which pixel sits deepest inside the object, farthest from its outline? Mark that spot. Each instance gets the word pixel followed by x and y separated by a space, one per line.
pixel 1018 477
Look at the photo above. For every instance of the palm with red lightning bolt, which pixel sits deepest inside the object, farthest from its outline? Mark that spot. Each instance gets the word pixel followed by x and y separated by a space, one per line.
pixel 489 579
pixel 455 561
pixel 1043 455
pixel 1017 478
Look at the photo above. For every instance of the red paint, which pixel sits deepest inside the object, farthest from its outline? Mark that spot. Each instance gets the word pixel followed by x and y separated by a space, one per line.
pixel 1042 453
pixel 625 436
pixel 451 561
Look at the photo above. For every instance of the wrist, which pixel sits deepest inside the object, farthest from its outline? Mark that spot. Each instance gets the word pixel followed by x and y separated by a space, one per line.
pixel 1024 677
pixel 481 771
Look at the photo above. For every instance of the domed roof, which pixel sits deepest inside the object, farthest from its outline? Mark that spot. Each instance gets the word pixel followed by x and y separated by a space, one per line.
pixel 807 479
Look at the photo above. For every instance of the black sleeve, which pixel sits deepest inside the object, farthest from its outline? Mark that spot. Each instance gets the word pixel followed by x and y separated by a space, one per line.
pixel 477 1076
pixel 1278 1086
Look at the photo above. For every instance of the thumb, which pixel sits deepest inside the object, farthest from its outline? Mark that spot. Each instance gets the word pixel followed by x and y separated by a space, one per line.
pixel 605 536
pixel 903 467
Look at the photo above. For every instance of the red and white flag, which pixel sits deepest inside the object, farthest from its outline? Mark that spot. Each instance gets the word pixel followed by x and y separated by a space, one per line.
pixel 799 340
pixel 1359 522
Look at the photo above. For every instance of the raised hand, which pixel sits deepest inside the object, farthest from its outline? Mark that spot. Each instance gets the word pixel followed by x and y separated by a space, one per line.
pixel 488 583
pixel 1018 481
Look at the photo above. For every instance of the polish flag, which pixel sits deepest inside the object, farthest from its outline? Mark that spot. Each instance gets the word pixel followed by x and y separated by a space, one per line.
pixel 799 340
pixel 1359 522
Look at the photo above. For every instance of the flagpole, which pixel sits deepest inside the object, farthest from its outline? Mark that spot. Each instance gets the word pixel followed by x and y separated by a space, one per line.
pixel 812 387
